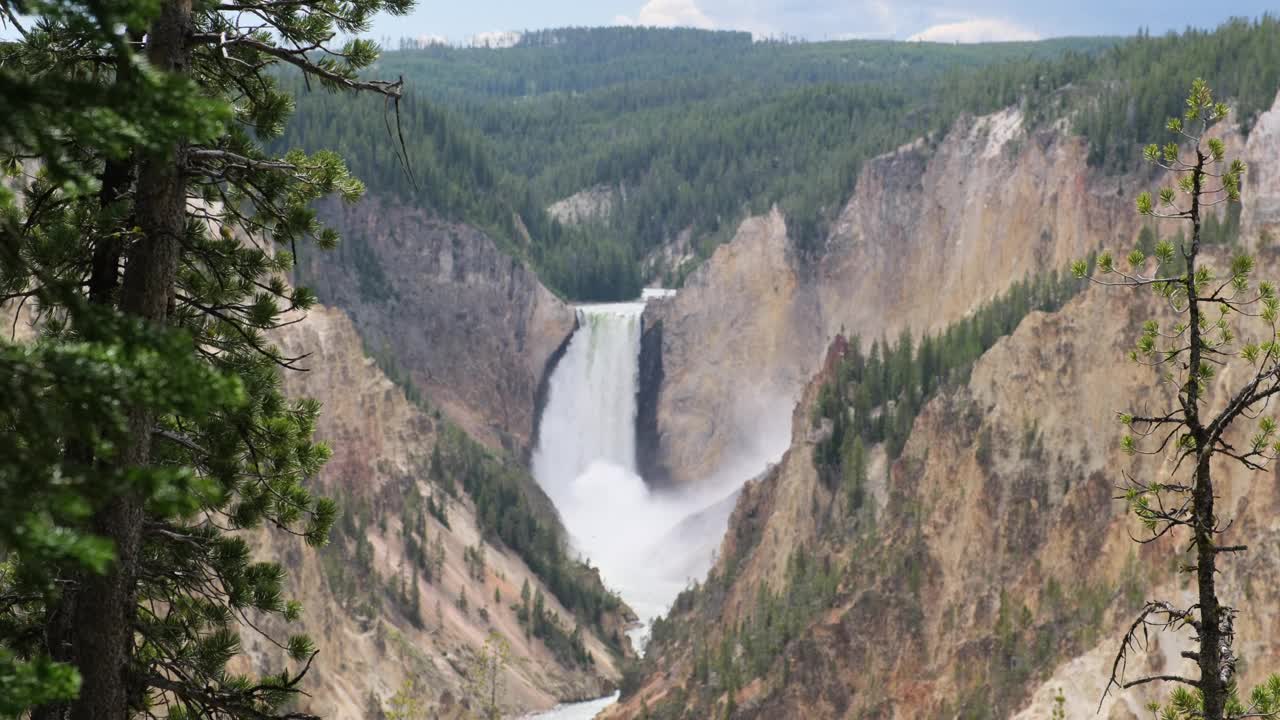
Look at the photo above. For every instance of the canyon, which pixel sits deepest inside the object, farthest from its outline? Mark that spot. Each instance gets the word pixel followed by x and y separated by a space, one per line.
pixel 992 571
pixel 661 374
pixel 931 232
pixel 382 447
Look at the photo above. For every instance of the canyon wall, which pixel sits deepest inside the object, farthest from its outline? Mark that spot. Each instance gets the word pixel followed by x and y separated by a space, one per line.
pixel 444 309
pixel 1260 217
pixel 992 569
pixel 369 643
pixel 931 232
pixel 735 346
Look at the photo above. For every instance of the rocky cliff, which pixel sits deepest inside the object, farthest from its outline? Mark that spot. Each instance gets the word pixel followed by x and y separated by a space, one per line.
pixel 446 311
pixel 378 618
pixel 931 232
pixel 991 569
pixel 359 591
pixel 1260 217
pixel 586 206
pixel 734 346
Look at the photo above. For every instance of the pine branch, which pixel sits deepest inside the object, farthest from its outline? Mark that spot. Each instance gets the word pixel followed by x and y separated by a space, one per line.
pixel 298 59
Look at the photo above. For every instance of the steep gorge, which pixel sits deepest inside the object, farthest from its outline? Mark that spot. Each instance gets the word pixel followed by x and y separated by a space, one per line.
pixel 992 567
pixel 354 590
pixel 931 231
pixel 446 311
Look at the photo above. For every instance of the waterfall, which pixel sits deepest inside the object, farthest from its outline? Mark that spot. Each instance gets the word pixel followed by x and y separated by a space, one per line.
pixel 591 413
pixel 585 460
pixel 647 545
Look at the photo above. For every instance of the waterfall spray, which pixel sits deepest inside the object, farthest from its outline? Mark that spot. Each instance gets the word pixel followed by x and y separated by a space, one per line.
pixel 647 544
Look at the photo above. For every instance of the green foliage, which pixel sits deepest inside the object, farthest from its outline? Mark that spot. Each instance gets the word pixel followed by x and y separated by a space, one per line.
pixel 80 387
pixel 691 130
pixel 1222 321
pixel 874 397
pixel 473 557
pixel 1128 93
pixel 426 555
pixel 436 161
pixel 147 425
pixel 569 61
pixel 508 513
pixel 749 650
pixel 407 703
pixel 1188 704
pixel 24 683
pixel 484 676
pixel 568 647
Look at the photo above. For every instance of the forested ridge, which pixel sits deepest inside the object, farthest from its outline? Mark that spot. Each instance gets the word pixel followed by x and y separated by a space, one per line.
pixel 695 130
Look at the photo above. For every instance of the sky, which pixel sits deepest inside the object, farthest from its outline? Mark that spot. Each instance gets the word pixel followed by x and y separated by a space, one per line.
pixel 938 20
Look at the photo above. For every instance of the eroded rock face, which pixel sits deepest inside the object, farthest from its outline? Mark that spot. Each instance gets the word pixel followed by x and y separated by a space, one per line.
pixel 382 443
pixel 731 346
pixel 1261 197
pixel 591 204
pixel 995 567
pixel 932 232
pixel 468 326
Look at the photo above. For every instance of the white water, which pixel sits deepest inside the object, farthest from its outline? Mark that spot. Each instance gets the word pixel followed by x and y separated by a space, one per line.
pixel 575 711
pixel 648 545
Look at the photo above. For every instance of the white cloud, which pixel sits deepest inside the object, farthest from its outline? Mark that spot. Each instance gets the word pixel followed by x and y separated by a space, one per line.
pixel 974 31
pixel 669 13
pixel 494 39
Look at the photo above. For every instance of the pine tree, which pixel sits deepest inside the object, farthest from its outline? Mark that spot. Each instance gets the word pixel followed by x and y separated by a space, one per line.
pixel 155 239
pixel 415 605
pixel 437 558
pixel 524 613
pixel 855 470
pixel 1222 319
pixel 539 618
pixel 484 676
pixel 407 703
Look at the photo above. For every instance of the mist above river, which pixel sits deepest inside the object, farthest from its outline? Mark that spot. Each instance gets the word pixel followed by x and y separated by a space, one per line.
pixel 649 545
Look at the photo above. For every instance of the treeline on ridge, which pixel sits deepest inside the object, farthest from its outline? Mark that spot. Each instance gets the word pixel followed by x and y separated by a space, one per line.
pixel 874 396
pixel 694 130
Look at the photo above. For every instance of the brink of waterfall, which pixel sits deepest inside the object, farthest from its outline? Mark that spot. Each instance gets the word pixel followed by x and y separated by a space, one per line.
pixel 648 544
pixel 591 413
pixel 585 460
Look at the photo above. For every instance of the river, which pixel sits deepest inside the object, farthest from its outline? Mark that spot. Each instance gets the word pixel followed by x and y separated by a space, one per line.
pixel 575 711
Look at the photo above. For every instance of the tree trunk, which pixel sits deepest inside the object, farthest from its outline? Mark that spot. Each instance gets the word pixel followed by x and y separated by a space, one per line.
pixel 103 282
pixel 1212 682
pixel 104 616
